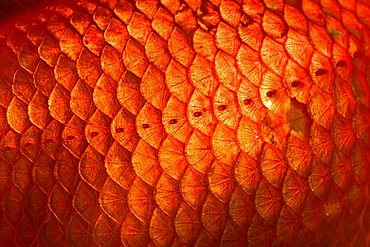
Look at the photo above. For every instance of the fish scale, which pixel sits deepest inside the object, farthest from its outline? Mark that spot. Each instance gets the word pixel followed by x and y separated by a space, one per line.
pixel 181 123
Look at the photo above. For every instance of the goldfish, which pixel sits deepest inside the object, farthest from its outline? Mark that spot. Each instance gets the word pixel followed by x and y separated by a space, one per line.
pixel 186 123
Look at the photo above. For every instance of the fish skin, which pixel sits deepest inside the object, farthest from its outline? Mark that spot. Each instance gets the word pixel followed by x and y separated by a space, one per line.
pixel 139 123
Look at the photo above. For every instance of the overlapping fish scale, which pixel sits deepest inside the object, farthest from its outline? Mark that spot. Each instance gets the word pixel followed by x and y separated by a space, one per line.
pixel 186 122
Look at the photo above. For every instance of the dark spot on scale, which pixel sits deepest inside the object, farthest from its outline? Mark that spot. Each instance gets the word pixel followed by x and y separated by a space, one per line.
pixel 7 148
pixel 296 84
pixel 221 107
pixel 120 130
pixel 357 54
pixel 93 134
pixel 173 121
pixel 247 101
pixel 197 114
pixel 27 144
pixel 271 93
pixel 70 137
pixel 145 126
pixel 341 63
pixel 320 72
pixel 49 140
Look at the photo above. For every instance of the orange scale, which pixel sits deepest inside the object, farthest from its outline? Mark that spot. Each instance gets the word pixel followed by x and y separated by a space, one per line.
pixel 202 76
pixel 224 144
pixel 66 171
pixel 274 25
pixel 251 34
pixel 70 43
pixel 360 157
pixel 174 119
pixel 113 201
pixel 51 138
pixel 128 93
pixel 320 180
pixel 80 21
pixel 88 67
pixel 227 71
pixel 17 115
pixel 118 165
pixel 163 22
pixel 6 93
pixel 233 235
pixel 26 229
pixel 161 229
pixel 343 134
pixel 247 174
pixel 13 205
pixel 153 87
pixel 178 82
pixel 167 195
pixel 321 142
pixel 149 8
pixel 134 58
pixel 157 52
pixel 274 55
pixel 214 216
pixel 227 39
pixel 116 34
pixel 21 174
pixel 230 12
pixel 341 170
pixel 226 108
pixel 9 147
pixel 81 101
pixel 43 173
pixel 250 64
pixel 106 231
pixel 295 190
pixel 56 25
pixel 91 168
pixel 59 204
pixel 313 11
pixel 65 72
pixel 298 154
pixel 44 78
pixel 6 177
pixel 145 163
pixel 322 72
pixel 198 152
pixel 342 63
pixel 105 96
pixel 139 27
pixel 204 44
pixel 362 11
pixel 193 188
pixel 78 232
pixel 321 107
pixel 102 17
pixel 49 50
pixel 187 224
pixel 58 102
pixel 260 232
pixel 172 159
pixel 23 86
pixel 111 62
pixel 241 208
pixel 298 82
pixel 134 232
pixel 98 132
pixel 299 48
pixel 123 129
pixel 337 32
pixel 273 165
pixel 361 124
pixel 268 202
pixel 352 23
pixel 52 234
pixel 85 203
pixel 206 237
pixel 149 125
pixel 28 57
pixel 180 47
pixel 250 138
pixel 220 181
pixel 29 143
pixel 93 40
pixel 250 102
pixel 200 113
pixel 140 201
pixel 73 137
pixel 186 20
